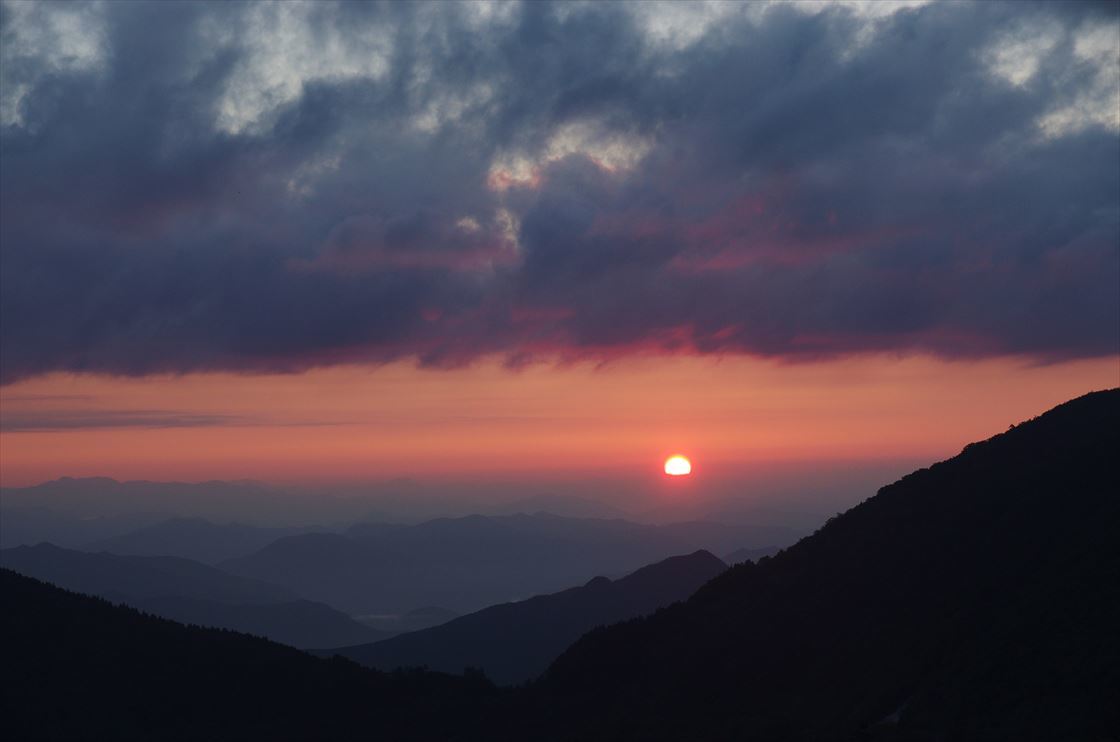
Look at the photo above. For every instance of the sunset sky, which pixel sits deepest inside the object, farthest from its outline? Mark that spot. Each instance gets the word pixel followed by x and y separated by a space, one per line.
pixel 347 242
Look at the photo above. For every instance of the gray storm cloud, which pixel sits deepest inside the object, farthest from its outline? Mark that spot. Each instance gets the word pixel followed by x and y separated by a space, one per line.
pixel 276 186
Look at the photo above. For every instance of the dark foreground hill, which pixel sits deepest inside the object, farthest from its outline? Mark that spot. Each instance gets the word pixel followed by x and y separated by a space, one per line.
pixel 77 667
pixel 298 623
pixel 186 591
pixel 978 599
pixel 515 642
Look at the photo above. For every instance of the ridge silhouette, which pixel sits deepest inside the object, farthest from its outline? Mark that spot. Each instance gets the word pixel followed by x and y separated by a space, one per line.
pixel 515 642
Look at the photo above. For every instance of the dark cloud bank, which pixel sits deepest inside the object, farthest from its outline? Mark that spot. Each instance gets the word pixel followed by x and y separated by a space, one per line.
pixel 189 187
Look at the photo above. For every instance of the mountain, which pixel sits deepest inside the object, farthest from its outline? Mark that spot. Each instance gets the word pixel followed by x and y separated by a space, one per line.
pixel 121 577
pixel 415 620
pixel 297 623
pixel 194 538
pixel 190 592
pixel 468 563
pixel 34 524
pixel 79 668
pixel 750 555
pixel 103 497
pixel 515 642
pixel 977 599
pixel 567 506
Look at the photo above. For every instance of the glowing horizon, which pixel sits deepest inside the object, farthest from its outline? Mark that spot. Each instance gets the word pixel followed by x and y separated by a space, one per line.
pixel 353 423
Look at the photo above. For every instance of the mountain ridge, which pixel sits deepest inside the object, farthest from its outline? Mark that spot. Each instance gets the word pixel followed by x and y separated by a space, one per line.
pixel 872 613
pixel 472 562
pixel 191 592
pixel 514 642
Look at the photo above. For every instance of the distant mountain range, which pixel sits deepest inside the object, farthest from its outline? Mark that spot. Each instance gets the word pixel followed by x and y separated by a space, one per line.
pixel 106 498
pixel 566 506
pixel 974 600
pixel 468 563
pixel 195 538
pixel 190 592
pixel 120 577
pixel 515 642
pixel 30 524
pixel 74 510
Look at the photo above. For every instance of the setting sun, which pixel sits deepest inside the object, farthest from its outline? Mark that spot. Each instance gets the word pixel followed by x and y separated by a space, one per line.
pixel 678 466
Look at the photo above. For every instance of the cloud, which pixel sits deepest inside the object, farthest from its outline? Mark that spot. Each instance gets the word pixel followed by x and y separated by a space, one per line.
pixel 271 187
pixel 61 420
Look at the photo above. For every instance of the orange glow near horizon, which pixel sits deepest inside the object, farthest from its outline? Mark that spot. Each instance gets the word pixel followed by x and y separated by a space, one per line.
pixel 351 423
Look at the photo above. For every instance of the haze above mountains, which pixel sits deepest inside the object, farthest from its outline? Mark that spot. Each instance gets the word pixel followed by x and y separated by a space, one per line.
pixel 515 642
pixel 468 563
pixel 76 512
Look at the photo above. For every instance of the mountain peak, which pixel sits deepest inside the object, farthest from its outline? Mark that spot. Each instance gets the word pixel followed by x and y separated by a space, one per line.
pixel 993 569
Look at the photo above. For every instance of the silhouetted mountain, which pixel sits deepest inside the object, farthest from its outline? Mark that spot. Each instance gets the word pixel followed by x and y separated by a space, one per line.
pixel 122 577
pixel 750 555
pixel 417 619
pixel 194 538
pixel 78 668
pixel 514 642
pixel 187 591
pixel 977 599
pixel 468 563
pixel 298 623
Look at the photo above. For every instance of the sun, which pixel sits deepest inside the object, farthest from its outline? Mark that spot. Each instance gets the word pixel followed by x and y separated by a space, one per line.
pixel 678 466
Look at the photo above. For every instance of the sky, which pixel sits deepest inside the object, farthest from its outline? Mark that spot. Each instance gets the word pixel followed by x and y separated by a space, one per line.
pixel 337 242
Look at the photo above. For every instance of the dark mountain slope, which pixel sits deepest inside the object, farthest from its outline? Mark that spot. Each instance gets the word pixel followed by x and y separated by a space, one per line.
pixel 187 591
pixel 77 667
pixel 515 642
pixel 298 623
pixel 977 599
pixel 750 555
pixel 118 577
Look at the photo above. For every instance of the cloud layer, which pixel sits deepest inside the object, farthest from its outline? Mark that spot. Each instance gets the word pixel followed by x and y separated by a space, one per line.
pixel 270 187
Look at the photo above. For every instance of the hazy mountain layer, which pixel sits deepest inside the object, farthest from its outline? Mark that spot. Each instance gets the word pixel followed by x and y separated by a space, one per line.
pixel 190 592
pixel 121 577
pixel 194 538
pixel 515 642
pixel 469 563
